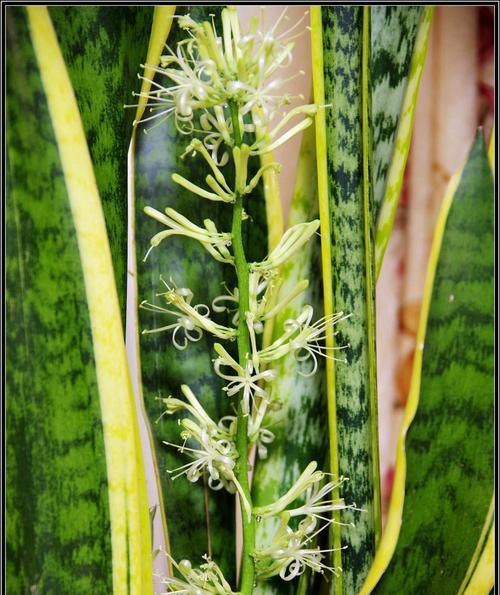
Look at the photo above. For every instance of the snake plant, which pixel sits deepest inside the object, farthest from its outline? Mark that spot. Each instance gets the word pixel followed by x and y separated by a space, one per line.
pixel 255 342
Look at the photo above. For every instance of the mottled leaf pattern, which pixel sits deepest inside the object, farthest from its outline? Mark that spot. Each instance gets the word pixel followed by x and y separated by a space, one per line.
pixel 393 33
pixel 351 223
pixel 450 442
pixel 387 204
pixel 58 528
pixel 103 47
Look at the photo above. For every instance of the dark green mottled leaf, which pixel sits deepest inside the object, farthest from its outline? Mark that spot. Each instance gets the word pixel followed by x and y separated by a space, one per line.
pixel 392 146
pixel 103 47
pixel 450 443
pixel 58 528
pixel 164 368
pixel 348 134
pixel 393 33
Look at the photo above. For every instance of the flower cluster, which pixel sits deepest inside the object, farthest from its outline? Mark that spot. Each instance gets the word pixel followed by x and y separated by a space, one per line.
pixel 205 580
pixel 292 550
pixel 208 70
pixel 213 83
pixel 215 452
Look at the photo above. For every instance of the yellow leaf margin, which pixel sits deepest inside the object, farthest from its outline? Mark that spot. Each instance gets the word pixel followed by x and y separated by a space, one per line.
pixel 160 29
pixel 326 263
pixel 483 579
pixel 479 577
pixel 130 539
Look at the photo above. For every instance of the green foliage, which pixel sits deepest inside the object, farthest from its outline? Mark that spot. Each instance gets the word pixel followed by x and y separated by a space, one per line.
pixel 449 445
pixel 102 47
pixel 349 163
pixel 393 34
pixel 58 527
pixel 299 422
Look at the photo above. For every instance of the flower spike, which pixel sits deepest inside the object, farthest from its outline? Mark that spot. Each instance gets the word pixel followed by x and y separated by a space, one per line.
pixel 222 87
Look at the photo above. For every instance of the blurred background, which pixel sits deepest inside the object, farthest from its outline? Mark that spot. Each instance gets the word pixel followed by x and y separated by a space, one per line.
pixel 456 96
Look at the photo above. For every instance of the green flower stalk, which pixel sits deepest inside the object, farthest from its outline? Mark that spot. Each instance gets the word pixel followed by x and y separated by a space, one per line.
pixel 212 83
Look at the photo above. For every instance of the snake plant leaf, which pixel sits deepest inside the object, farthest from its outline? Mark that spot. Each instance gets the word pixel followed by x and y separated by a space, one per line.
pixel 446 454
pixel 341 58
pixel 77 514
pixel 393 34
pixel 102 48
pixel 386 205
pixel 198 521
pixel 480 576
pixel 297 415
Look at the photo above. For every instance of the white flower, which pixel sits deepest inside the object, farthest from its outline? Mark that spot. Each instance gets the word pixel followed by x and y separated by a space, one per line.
pixel 215 455
pixel 216 452
pixel 260 292
pixel 217 182
pixel 191 320
pixel 316 504
pixel 304 339
pixel 210 69
pixel 183 324
pixel 308 478
pixel 214 242
pixel 173 405
pixel 223 302
pixel 264 437
pixel 291 552
pixel 269 140
pixel 207 580
pixel 256 435
pixel 308 485
pixel 241 155
pixel 218 195
pixel 245 381
pixel 263 289
pixel 217 129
